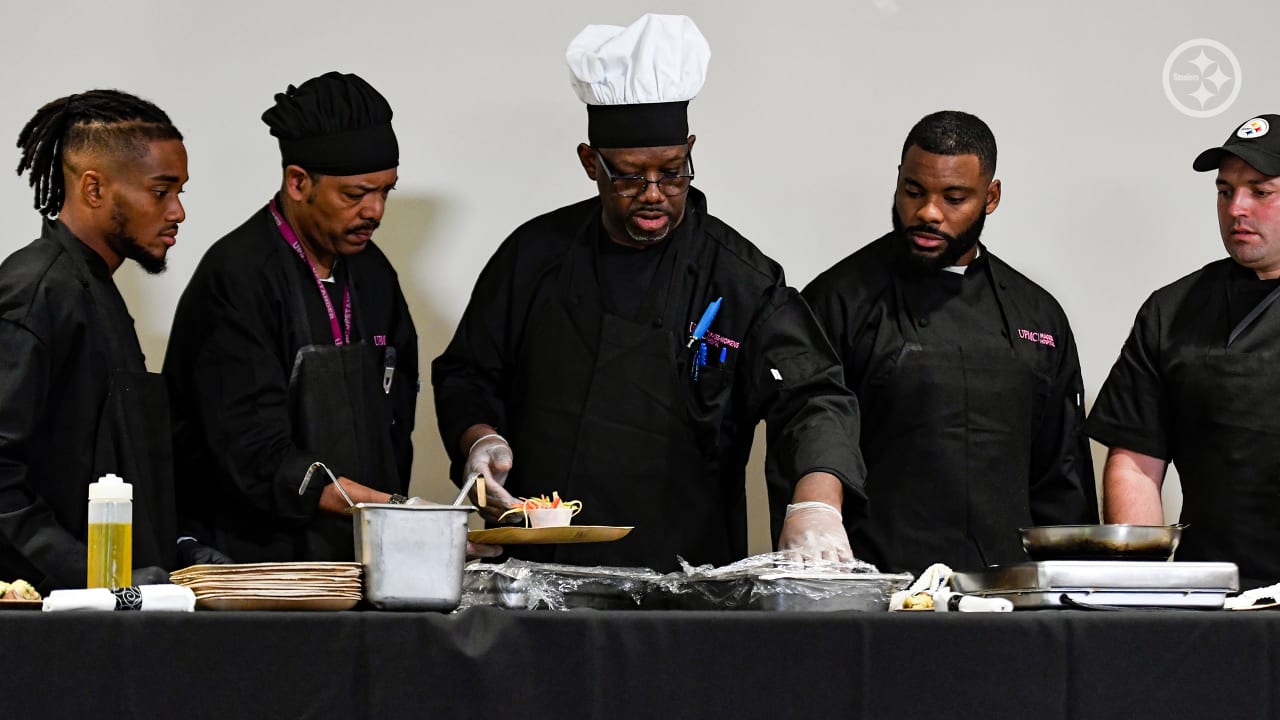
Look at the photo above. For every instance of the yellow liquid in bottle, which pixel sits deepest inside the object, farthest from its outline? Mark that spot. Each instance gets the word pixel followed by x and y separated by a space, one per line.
pixel 110 555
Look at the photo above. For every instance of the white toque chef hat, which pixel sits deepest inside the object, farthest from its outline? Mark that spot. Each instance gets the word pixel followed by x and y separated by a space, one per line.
pixel 637 80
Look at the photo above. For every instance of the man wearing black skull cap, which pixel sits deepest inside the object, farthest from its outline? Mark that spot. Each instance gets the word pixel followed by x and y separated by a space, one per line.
pixel 1196 380
pixel 293 345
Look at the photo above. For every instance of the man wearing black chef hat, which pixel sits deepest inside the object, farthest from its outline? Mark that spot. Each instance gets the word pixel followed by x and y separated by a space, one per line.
pixel 1196 380
pixel 76 400
pixel 966 370
pixel 621 350
pixel 293 343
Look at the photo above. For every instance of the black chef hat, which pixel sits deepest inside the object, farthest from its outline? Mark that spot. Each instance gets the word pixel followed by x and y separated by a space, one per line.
pixel 1256 141
pixel 335 124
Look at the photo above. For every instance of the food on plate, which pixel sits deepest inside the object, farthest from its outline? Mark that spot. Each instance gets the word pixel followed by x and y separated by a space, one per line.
pixel 542 502
pixel 18 590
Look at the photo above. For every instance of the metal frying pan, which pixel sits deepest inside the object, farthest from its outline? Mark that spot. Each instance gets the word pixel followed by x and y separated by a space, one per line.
pixel 1101 542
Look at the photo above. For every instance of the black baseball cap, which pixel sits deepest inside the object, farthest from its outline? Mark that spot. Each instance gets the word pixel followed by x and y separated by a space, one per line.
pixel 1256 141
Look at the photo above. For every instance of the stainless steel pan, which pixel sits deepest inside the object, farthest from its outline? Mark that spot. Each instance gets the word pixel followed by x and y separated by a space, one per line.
pixel 1101 542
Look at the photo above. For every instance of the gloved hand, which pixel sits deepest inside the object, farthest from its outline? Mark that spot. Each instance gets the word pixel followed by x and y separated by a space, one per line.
pixel 815 531
pixel 490 456
pixel 150 575
pixel 193 552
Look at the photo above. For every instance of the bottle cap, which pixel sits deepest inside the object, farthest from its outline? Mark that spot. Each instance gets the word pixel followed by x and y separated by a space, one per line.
pixel 111 487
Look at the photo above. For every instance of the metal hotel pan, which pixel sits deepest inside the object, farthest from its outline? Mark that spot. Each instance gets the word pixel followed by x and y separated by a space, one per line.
pixel 1101 542
pixel 412 554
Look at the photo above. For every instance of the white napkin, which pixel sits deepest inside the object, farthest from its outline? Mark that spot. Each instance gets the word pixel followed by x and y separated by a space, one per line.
pixel 1257 598
pixel 934 581
pixel 163 598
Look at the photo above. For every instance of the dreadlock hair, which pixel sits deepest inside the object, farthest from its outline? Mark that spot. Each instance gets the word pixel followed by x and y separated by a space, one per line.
pixel 951 132
pixel 103 121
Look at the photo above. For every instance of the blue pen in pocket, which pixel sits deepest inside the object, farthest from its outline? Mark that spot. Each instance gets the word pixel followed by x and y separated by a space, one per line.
pixel 705 321
pixel 699 360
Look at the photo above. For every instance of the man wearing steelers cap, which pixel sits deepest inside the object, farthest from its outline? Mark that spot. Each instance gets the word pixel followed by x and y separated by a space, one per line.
pixel 1197 380
pixel 621 350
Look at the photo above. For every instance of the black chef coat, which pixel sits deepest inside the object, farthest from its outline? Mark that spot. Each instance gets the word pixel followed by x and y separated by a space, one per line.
pixel 251 305
pixel 65 333
pixel 539 337
pixel 971 394
pixel 1178 392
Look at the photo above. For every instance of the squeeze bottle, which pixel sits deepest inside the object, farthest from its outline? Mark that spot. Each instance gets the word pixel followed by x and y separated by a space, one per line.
pixel 110 533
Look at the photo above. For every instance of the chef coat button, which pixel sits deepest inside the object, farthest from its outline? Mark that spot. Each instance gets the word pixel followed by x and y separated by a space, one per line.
pixel 1003 286
pixel 657 322
pixel 923 322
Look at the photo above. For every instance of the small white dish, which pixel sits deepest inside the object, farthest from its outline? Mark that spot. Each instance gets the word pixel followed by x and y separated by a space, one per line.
pixel 549 517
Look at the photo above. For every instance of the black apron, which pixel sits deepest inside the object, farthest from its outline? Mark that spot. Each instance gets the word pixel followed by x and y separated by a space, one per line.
pixel 340 412
pixel 947 481
pixel 133 441
pixel 605 416
pixel 1227 451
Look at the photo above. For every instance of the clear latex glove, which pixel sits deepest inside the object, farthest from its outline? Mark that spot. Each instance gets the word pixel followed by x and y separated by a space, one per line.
pixel 490 457
pixel 814 531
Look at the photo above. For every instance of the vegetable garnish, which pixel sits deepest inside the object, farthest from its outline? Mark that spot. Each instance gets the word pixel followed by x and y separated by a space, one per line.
pixel 542 502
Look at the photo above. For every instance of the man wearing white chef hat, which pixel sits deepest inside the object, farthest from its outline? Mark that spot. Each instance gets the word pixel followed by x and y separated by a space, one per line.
pixel 621 350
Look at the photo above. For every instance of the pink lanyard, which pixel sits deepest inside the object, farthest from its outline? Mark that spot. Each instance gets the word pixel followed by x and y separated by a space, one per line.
pixel 341 334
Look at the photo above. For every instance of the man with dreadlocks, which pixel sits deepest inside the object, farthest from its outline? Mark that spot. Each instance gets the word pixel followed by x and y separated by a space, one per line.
pixel 76 400
pixel 293 344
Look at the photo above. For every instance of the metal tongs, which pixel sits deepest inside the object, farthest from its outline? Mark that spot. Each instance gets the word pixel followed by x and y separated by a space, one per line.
pixel 306 480
pixel 474 479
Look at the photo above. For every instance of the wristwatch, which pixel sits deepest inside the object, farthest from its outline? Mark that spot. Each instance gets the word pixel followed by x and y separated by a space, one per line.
pixel 397 499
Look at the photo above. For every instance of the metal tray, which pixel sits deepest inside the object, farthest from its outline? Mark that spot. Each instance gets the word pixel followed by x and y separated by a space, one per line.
pixel 1100 575
pixel 781 592
pixel 541 586
pixel 1108 599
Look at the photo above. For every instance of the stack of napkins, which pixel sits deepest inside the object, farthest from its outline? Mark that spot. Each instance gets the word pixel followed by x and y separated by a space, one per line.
pixel 273 586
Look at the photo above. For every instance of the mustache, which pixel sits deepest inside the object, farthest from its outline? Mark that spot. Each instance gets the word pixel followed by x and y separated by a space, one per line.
pixel 366 226
pixel 930 230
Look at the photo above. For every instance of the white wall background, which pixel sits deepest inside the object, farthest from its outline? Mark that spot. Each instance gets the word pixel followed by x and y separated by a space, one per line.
pixel 800 127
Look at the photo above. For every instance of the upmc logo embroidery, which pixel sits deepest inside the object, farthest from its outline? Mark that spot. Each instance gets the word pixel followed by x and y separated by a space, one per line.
pixel 1036 337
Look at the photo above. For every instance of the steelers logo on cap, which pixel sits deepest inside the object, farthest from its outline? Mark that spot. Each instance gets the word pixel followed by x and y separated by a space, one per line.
pixel 1254 128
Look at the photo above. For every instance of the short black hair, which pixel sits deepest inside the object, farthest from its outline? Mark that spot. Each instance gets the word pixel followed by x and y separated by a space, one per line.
pixel 105 121
pixel 951 132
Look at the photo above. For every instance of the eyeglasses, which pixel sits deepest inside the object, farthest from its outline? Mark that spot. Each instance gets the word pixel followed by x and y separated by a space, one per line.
pixel 629 186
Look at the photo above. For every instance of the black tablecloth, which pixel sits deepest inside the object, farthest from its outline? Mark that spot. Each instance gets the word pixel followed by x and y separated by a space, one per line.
pixel 583 663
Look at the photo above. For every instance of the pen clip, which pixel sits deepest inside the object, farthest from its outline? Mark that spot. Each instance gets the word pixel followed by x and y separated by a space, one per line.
pixel 389 369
